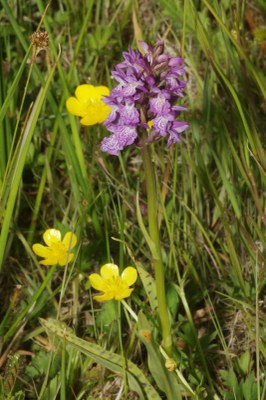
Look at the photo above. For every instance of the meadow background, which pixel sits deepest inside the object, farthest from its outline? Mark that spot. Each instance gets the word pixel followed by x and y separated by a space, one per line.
pixel 212 200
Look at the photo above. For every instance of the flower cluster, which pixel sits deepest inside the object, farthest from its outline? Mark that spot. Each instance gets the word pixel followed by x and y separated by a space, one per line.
pixel 112 284
pixel 143 105
pixel 88 104
pixel 57 251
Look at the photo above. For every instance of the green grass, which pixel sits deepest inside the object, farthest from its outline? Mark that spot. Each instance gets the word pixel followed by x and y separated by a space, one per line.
pixel 212 210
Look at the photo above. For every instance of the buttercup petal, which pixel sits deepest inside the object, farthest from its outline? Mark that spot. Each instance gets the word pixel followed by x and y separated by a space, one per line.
pixel 97 282
pixel 51 236
pixel 123 294
pixel 75 107
pixel 129 275
pixel 65 259
pixel 40 250
pixel 101 91
pixel 70 240
pixel 103 114
pixel 51 260
pixel 104 297
pixel 91 118
pixel 109 271
pixel 85 93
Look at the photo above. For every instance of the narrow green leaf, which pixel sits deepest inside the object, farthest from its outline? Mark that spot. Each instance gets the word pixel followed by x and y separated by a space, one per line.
pixel 15 178
pixel 148 239
pixel 241 51
pixel 228 187
pixel 13 87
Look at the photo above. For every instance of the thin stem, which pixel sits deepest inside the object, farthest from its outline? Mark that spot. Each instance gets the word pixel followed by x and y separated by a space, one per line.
pixel 64 282
pixel 122 350
pixel 129 309
pixel 156 258
pixel 63 372
pixel 257 327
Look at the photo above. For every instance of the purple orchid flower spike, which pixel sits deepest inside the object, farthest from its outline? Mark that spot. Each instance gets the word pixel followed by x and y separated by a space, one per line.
pixel 144 101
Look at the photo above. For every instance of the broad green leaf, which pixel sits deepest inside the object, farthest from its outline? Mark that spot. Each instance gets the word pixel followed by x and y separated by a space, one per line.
pixel 243 362
pixel 149 286
pixel 114 362
pixel 51 392
pixel 167 381
pixel 249 387
pixel 147 281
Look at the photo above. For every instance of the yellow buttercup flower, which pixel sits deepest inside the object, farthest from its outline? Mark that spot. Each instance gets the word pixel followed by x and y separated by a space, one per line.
pixel 88 104
pixel 57 251
pixel 112 284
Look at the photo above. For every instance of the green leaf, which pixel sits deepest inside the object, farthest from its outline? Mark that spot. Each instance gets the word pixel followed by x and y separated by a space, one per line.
pixel 228 187
pixel 173 299
pixel 249 387
pixel 107 315
pixel 40 365
pixel 52 389
pixel 144 231
pixel 149 286
pixel 166 381
pixel 114 362
pixel 18 162
pixel 243 362
pixel 232 382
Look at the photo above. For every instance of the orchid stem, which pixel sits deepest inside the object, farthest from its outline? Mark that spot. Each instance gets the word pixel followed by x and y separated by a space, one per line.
pixel 156 258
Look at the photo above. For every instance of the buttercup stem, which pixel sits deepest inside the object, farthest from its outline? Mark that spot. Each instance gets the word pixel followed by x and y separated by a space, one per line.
pixel 155 237
pixel 122 349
